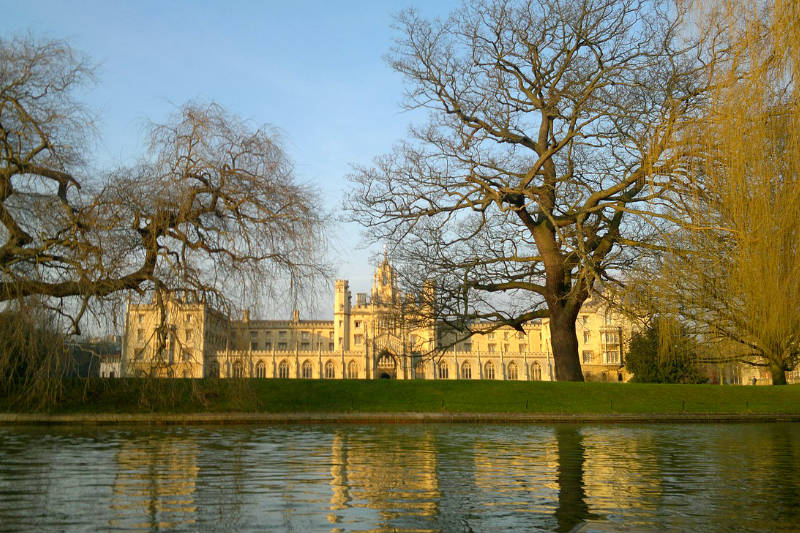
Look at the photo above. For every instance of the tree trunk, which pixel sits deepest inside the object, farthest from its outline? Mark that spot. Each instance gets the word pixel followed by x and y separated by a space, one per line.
pixel 565 343
pixel 778 374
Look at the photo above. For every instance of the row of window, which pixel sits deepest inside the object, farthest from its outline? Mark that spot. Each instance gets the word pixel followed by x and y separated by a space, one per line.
pixel 329 371
pixel 307 370
pixel 282 334
pixel 507 335
pixel 304 346
pixel 512 370
pixel 609 357
pixel 610 337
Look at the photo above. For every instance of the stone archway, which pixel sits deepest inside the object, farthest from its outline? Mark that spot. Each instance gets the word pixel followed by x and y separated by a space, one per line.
pixel 386 365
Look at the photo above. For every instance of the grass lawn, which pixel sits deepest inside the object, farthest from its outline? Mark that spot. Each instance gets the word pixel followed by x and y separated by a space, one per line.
pixel 381 396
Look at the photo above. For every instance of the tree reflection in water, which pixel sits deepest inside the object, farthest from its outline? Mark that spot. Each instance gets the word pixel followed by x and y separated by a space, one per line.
pixel 572 508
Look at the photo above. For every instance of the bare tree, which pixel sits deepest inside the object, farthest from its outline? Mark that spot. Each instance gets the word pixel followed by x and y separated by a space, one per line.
pixel 736 278
pixel 555 129
pixel 214 208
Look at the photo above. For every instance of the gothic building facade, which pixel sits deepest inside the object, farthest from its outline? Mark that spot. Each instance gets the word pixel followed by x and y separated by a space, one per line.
pixel 381 335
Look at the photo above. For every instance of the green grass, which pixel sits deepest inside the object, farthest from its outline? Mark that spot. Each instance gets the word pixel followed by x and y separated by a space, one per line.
pixel 336 396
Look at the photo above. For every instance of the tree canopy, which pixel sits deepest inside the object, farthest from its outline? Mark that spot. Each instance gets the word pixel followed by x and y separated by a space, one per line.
pixel 733 273
pixel 556 138
pixel 212 207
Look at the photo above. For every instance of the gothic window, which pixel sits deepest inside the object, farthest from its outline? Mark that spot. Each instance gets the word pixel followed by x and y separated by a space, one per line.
pixel 305 346
pixel 513 373
pixel 238 370
pixel 536 371
pixel 213 369
pixel 330 371
pixel 488 370
pixel 261 370
pixel 466 370
pixel 283 370
pixel 586 336
pixel 523 348
pixel 587 356
pixel 492 348
pixel 420 370
pixel 444 372
pixel 307 370
pixel 254 346
pixel 352 370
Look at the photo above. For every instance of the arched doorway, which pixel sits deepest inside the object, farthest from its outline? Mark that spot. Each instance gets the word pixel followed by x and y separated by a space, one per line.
pixel 386 366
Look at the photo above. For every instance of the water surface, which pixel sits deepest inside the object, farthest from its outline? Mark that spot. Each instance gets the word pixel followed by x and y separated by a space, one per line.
pixel 337 478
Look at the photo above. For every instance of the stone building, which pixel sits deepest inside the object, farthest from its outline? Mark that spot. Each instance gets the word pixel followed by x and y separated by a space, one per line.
pixel 381 335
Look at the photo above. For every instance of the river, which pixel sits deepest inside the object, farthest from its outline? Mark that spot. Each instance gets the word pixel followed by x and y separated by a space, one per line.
pixel 385 477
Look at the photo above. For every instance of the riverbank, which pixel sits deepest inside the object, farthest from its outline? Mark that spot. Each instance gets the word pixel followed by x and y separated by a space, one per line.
pixel 166 419
pixel 526 400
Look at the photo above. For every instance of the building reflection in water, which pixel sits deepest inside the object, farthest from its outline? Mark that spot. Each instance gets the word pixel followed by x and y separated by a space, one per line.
pixel 397 477
pixel 404 478
pixel 417 482
pixel 154 486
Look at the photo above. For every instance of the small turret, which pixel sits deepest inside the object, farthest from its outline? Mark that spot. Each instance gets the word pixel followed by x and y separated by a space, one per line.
pixel 341 315
pixel 384 283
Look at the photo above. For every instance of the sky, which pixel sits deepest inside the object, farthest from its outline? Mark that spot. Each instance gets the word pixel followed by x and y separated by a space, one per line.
pixel 314 70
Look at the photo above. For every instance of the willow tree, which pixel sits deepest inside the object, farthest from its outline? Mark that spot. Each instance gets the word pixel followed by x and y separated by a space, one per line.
pixel 213 206
pixel 736 277
pixel 554 127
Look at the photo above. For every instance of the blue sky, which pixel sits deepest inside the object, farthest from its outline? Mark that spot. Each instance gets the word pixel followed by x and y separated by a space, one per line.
pixel 313 69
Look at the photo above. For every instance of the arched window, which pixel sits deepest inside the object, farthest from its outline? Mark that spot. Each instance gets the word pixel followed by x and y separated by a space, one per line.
pixel 444 372
pixel 488 370
pixel 238 370
pixel 352 370
pixel 213 369
pixel 283 370
pixel 536 371
pixel 261 370
pixel 330 371
pixel 512 371
pixel 466 370
pixel 307 369
pixel 421 370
